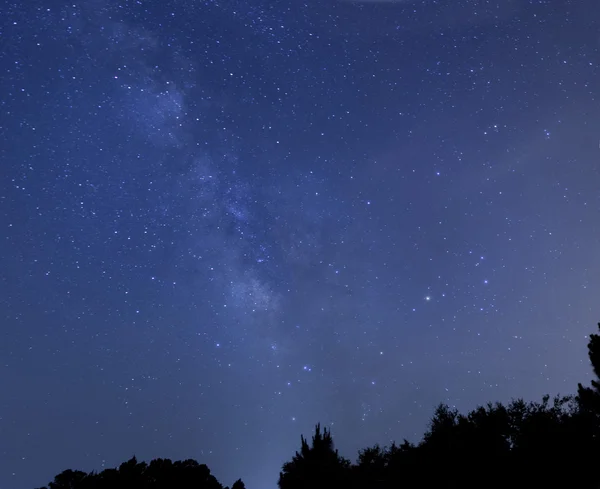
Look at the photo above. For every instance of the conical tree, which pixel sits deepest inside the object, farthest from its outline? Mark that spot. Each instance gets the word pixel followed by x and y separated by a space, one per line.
pixel 238 484
pixel 316 467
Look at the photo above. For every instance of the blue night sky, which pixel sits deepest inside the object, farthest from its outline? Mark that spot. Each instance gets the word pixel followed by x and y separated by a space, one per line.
pixel 222 222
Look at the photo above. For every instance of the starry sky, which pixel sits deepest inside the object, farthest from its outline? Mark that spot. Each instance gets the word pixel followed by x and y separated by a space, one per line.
pixel 225 221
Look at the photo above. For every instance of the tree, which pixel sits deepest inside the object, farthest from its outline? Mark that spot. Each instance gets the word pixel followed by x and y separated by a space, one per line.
pixel 159 474
pixel 589 397
pixel 554 443
pixel 371 465
pixel 68 479
pixel 540 438
pixel 586 421
pixel 316 467
pixel 238 484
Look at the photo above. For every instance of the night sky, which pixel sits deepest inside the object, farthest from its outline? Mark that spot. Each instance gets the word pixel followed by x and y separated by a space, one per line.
pixel 225 221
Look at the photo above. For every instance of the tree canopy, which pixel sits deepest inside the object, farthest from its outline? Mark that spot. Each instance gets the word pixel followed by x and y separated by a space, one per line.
pixel 316 466
pixel 158 474
pixel 553 443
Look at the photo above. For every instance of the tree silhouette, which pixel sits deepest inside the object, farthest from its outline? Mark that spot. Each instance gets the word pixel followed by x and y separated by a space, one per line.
pixel 586 422
pixel 554 443
pixel 159 474
pixel 238 484
pixel 539 439
pixel 589 397
pixel 68 479
pixel 316 467
pixel 371 467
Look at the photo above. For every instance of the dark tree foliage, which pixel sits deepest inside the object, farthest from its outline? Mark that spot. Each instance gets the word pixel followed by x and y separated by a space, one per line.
pixel 589 397
pixel 69 479
pixel 315 467
pixel 554 443
pixel 159 474
pixel 238 484
pixel 587 418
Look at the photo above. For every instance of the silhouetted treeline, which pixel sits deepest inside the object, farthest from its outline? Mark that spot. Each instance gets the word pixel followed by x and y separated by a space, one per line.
pixel 554 443
pixel 158 474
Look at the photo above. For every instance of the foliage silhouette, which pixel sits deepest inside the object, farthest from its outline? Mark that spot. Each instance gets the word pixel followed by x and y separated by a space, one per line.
pixel 554 443
pixel 317 466
pixel 159 474
pixel 238 484
pixel 588 398
pixel 523 444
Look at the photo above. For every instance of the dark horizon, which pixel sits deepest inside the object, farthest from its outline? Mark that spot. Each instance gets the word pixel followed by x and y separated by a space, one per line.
pixel 226 221
pixel 552 443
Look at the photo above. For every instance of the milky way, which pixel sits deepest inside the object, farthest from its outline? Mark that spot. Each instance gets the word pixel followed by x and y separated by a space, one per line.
pixel 224 222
